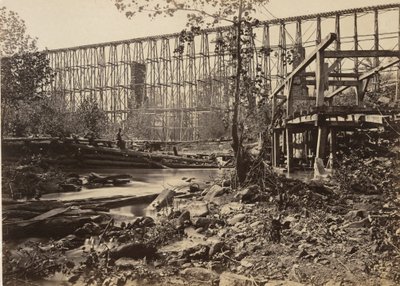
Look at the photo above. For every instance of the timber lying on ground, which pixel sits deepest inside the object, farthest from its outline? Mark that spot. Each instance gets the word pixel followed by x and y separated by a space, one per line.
pixel 44 218
pixel 83 155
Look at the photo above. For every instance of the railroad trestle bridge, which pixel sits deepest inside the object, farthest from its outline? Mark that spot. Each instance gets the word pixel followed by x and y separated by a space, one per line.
pixel 178 92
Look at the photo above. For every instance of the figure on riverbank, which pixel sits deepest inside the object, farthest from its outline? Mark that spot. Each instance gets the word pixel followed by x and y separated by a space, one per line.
pixel 120 142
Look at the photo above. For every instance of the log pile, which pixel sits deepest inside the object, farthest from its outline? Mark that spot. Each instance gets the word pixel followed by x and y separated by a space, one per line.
pixel 84 155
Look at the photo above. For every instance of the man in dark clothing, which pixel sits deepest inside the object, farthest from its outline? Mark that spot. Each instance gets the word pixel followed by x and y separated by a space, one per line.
pixel 120 142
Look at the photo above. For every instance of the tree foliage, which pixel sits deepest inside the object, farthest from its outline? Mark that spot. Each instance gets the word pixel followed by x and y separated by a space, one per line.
pixel 28 107
pixel 25 73
pixel 91 118
pixel 14 39
pixel 239 42
pixel 24 77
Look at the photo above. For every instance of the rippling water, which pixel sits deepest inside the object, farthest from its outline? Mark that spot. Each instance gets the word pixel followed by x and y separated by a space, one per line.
pixel 144 182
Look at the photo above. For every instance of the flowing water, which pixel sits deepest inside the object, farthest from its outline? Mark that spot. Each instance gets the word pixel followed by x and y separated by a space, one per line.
pixel 144 182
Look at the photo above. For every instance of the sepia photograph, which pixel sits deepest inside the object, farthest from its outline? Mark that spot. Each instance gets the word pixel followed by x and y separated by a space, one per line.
pixel 200 142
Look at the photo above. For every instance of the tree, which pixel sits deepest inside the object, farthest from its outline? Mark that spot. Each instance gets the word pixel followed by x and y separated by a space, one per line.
pixel 90 118
pixel 14 39
pixel 206 13
pixel 25 73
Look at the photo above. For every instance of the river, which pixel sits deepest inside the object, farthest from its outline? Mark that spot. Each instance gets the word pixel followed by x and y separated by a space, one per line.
pixel 144 182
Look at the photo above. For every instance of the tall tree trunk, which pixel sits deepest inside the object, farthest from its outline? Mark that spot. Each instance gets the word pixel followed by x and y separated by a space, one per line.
pixel 236 136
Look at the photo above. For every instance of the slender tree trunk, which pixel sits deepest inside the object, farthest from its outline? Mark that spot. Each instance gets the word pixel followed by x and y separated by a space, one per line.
pixel 236 137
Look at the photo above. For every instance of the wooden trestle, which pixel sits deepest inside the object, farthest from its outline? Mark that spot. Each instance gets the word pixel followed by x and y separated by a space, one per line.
pixel 310 136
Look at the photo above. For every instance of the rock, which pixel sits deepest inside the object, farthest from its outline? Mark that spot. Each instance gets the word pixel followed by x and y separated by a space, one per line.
pixel 70 241
pixel 242 254
pixel 215 248
pixel 203 222
pixel 302 253
pixel 249 194
pixel 213 192
pixel 200 252
pixel 123 238
pixel 226 183
pixel 133 250
pixel 182 221
pixel 230 207
pixel 194 188
pixel 74 278
pixel 196 208
pixel 237 218
pixel 231 279
pixel 255 224
pixel 163 199
pixel 199 230
pixel 356 214
pixel 147 222
pixel 200 274
pixel 185 216
pixel 246 263
pixel 70 188
pixel 125 262
pixel 222 232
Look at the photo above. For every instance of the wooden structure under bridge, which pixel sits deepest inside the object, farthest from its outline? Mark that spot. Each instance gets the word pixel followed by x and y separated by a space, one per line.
pixel 310 134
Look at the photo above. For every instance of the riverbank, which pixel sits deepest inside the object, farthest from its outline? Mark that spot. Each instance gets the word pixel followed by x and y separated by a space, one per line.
pixel 287 233
pixel 342 230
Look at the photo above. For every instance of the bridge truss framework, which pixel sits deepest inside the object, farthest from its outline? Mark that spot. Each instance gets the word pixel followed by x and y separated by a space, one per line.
pixel 178 91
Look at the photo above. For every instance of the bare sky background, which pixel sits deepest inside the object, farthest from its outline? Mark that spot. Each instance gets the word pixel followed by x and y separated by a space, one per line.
pixel 67 23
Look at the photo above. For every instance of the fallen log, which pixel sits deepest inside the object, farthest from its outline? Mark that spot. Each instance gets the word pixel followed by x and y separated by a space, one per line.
pixel 113 163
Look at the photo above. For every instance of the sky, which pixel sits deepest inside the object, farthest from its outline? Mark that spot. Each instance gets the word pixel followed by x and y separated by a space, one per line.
pixel 68 23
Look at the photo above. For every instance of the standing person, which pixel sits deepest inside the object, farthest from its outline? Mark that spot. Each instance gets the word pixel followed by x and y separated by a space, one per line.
pixel 120 142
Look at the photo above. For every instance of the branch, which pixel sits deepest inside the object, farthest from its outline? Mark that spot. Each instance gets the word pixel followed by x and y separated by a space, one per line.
pixel 191 10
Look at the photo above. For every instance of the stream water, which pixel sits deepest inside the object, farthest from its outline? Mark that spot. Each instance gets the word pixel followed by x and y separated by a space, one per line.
pixel 144 182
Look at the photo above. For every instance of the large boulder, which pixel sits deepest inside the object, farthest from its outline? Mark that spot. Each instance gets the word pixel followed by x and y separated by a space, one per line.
pixel 164 199
pixel 213 192
pixel 196 208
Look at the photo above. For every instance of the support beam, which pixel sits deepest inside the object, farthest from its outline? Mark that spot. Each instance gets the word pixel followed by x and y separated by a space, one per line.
pixel 355 42
pixel 322 46
pixel 276 149
pixel 320 78
pixel 289 150
pixel 361 54
pixel 335 82
pixel 289 95
pixel 319 168
pixel 364 76
pixel 332 149
pixel 360 91
pixel 334 74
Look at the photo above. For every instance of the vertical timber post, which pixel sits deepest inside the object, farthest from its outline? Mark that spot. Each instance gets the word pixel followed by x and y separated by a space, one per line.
pixel 318 31
pixel 376 45
pixel 355 42
pixel 397 93
pixel 322 130
pixel 332 148
pixel 276 149
pixel 289 149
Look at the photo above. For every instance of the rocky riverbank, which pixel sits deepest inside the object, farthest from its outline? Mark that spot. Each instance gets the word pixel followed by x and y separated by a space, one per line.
pixel 344 230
